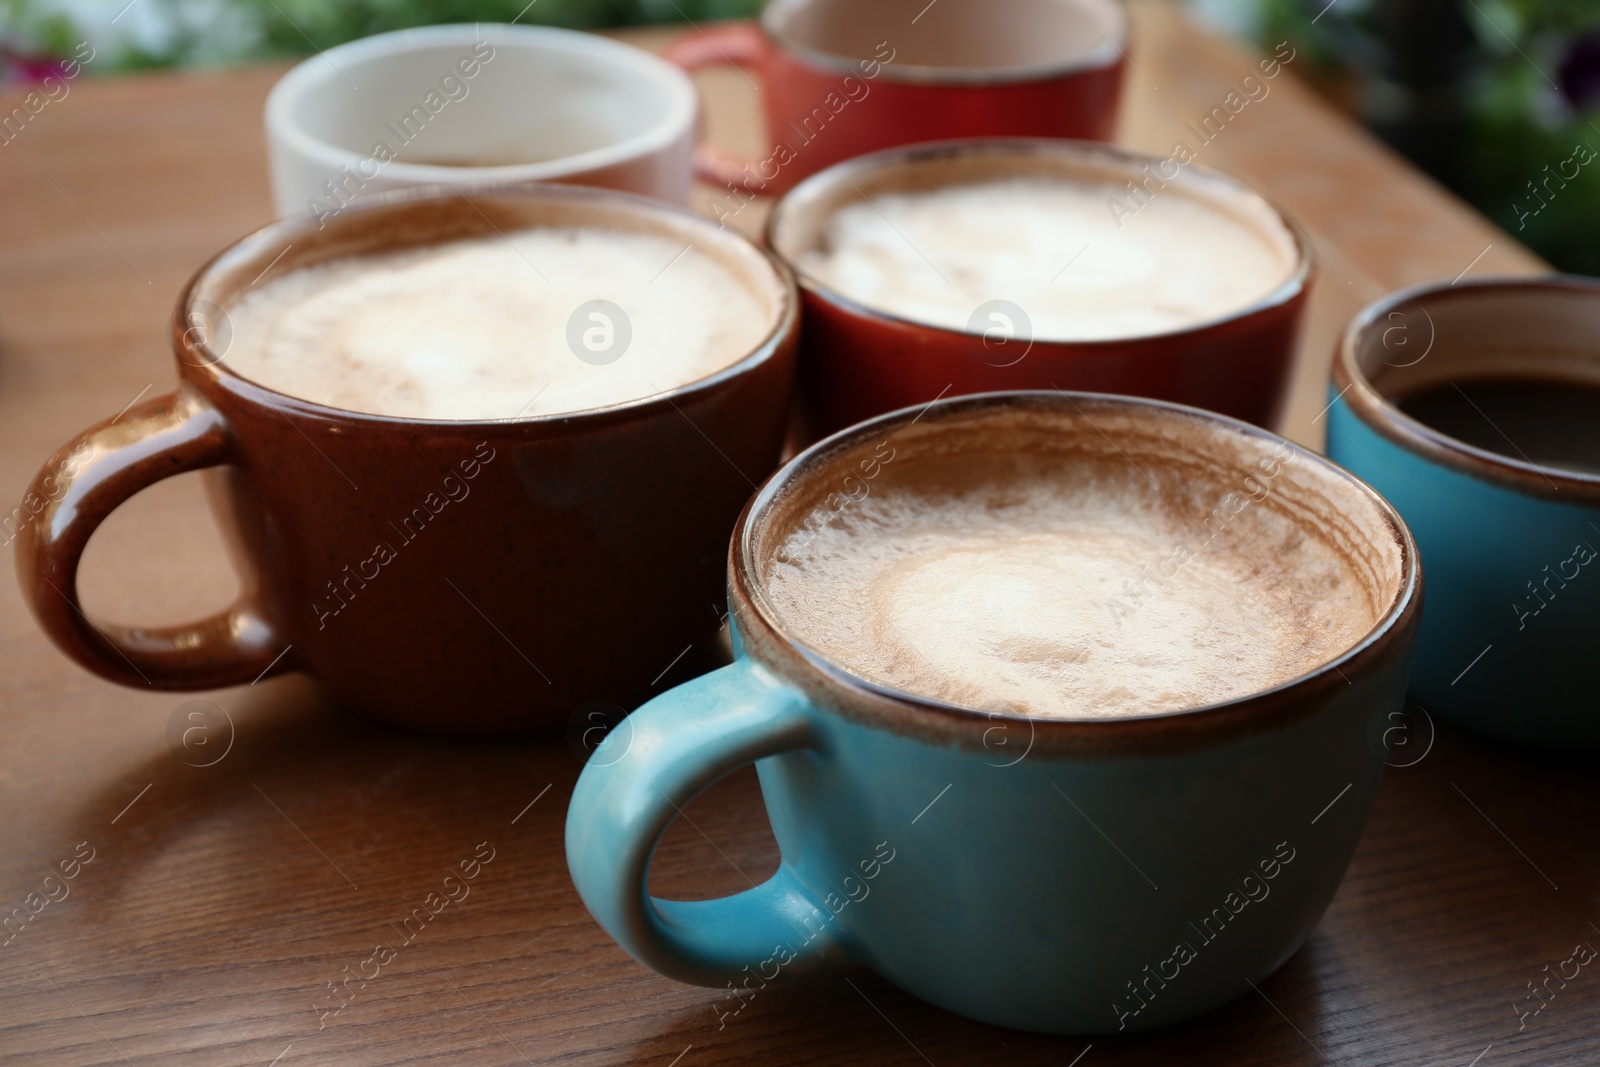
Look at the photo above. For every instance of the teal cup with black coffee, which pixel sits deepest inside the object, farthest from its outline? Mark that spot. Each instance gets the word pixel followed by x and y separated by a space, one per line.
pixel 1475 409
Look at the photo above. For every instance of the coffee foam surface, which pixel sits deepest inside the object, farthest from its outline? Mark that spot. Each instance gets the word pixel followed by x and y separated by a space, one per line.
pixel 1052 247
pixel 1070 590
pixel 477 328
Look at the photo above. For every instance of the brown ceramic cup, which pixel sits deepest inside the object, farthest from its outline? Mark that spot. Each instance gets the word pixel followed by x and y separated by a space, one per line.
pixel 858 361
pixel 471 577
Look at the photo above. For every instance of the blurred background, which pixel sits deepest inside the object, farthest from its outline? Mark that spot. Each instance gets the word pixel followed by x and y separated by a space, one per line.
pixel 1469 90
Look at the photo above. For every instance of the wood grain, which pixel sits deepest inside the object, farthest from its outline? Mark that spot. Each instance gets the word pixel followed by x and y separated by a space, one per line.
pixel 221 900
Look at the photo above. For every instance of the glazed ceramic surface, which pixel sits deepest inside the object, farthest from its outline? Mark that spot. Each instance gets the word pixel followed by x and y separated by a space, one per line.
pixel 1085 876
pixel 842 79
pixel 473 105
pixel 1512 624
pixel 858 362
pixel 473 577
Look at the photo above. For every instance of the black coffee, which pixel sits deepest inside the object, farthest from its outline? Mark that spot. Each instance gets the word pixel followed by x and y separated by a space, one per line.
pixel 1554 424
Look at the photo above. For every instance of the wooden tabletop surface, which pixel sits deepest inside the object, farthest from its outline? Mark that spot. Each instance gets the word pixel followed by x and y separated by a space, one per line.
pixel 212 906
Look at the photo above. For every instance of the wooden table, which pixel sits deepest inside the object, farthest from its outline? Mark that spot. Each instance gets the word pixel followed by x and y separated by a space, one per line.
pixel 221 901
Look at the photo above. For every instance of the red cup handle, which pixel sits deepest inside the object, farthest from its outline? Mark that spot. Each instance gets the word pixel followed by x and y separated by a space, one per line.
pixel 75 491
pixel 734 44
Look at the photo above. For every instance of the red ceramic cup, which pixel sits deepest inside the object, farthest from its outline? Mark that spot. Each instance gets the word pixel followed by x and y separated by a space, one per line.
pixel 841 78
pixel 857 362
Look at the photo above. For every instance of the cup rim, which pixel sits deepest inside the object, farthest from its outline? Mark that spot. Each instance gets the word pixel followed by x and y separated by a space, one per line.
pixel 307 75
pixel 196 358
pixel 1385 418
pixel 1106 54
pixel 1291 288
pixel 907 714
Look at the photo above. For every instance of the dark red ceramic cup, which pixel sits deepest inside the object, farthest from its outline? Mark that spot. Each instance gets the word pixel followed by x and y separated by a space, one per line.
pixel 841 78
pixel 858 362
pixel 470 577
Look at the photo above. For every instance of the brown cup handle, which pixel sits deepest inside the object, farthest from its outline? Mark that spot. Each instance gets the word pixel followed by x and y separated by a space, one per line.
pixel 735 44
pixel 72 495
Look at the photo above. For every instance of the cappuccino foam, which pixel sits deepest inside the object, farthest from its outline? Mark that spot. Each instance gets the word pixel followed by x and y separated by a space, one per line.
pixel 478 328
pixel 1065 590
pixel 1052 247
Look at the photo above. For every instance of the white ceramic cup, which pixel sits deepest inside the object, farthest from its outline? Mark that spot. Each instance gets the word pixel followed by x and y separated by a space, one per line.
pixel 469 105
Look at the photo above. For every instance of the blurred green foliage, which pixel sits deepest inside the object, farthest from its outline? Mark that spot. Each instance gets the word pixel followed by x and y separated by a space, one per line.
pixel 173 33
pixel 1492 97
pixel 1484 94
pixel 327 24
pixel 45 33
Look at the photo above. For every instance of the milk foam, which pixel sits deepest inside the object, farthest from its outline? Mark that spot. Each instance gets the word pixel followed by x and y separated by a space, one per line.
pixel 1055 593
pixel 471 330
pixel 934 256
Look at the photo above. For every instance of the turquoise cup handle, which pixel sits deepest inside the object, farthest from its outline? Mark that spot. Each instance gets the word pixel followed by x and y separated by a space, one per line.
pixel 640 778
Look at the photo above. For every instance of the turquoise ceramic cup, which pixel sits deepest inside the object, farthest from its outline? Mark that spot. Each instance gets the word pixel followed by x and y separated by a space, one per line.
pixel 1508 642
pixel 1067 876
